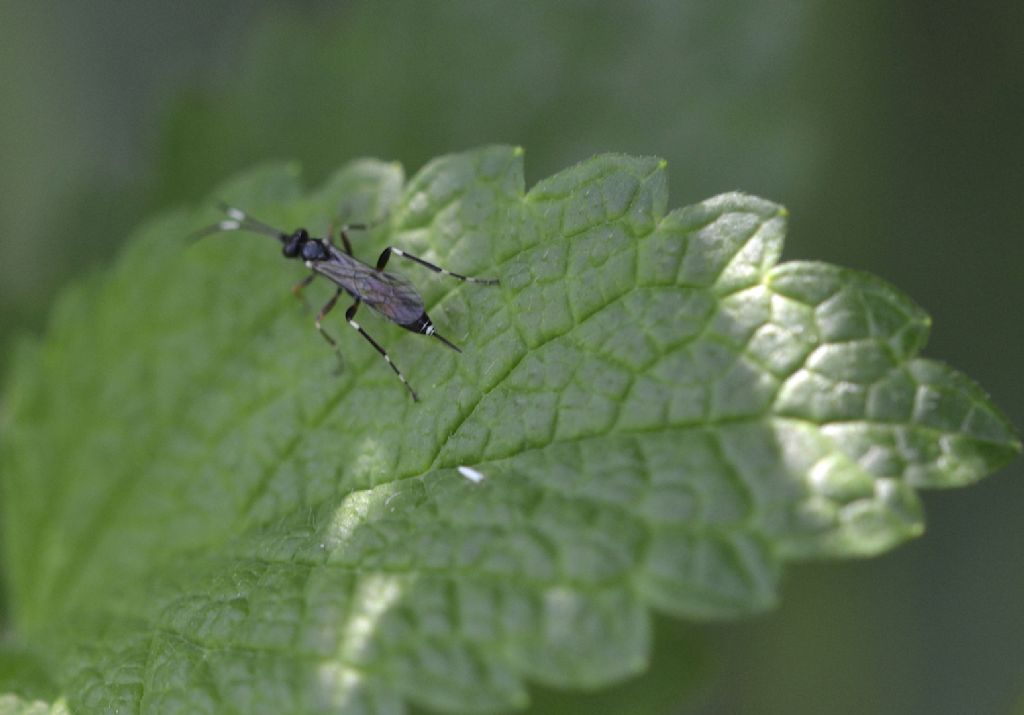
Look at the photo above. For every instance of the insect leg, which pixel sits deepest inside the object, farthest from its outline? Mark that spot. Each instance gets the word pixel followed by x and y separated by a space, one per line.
pixel 297 288
pixel 319 318
pixel 344 238
pixel 383 261
pixel 350 315
pixel 345 241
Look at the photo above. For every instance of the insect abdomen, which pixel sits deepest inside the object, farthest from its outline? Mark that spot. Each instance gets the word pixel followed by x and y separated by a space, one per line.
pixel 422 325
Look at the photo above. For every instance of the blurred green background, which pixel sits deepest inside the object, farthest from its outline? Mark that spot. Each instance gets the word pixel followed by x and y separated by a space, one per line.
pixel 894 132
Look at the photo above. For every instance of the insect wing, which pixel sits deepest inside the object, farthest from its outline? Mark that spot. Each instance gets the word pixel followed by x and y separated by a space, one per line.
pixel 341 269
pixel 391 295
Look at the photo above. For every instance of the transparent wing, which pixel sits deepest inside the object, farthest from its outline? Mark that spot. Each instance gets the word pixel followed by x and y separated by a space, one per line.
pixel 391 295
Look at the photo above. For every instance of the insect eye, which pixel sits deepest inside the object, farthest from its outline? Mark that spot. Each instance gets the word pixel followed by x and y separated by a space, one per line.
pixel 312 251
pixel 290 249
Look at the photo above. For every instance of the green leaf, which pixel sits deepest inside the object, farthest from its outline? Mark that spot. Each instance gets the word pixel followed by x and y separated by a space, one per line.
pixel 22 673
pixel 13 705
pixel 200 517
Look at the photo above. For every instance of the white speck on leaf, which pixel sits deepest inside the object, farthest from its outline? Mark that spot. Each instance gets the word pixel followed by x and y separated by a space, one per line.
pixel 471 474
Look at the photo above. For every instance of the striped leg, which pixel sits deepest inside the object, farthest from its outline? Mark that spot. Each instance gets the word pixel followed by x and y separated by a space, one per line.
pixel 350 315
pixel 383 261
pixel 319 318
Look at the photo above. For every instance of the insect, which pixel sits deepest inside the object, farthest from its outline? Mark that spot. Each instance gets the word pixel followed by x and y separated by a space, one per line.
pixel 389 294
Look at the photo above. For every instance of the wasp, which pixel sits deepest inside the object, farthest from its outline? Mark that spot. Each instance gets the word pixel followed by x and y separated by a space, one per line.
pixel 391 295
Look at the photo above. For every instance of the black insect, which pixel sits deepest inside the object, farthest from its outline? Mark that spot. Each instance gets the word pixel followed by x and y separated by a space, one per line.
pixel 389 294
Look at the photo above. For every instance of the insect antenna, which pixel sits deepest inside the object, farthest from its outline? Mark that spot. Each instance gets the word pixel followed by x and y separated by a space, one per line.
pixel 247 222
pixel 238 220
